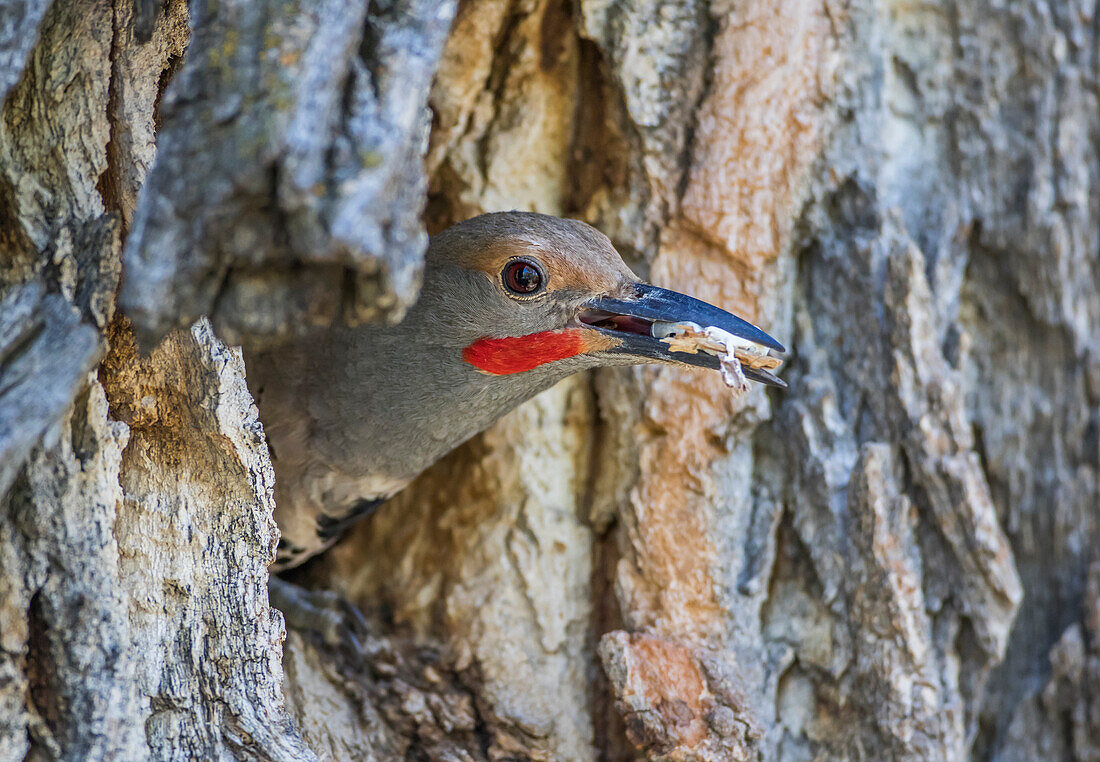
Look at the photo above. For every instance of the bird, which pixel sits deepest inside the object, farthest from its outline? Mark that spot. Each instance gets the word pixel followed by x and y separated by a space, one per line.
pixel 510 304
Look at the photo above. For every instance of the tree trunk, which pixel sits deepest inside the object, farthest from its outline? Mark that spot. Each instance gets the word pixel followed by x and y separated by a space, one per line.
pixel 896 558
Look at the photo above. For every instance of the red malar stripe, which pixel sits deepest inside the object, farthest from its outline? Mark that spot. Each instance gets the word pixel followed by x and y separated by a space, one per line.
pixel 516 354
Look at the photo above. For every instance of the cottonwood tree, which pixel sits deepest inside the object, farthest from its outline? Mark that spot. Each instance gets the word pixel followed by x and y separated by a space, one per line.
pixel 894 559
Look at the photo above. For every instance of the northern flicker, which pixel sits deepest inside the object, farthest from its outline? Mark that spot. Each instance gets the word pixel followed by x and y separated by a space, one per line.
pixel 511 303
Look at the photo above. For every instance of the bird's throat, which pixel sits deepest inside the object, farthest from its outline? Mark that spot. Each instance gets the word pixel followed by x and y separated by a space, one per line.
pixel 516 354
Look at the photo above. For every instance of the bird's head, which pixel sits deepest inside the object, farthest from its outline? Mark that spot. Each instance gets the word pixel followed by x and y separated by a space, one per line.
pixel 516 291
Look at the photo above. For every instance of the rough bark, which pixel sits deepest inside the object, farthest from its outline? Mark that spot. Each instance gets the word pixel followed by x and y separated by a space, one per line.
pixel 289 162
pixel 894 559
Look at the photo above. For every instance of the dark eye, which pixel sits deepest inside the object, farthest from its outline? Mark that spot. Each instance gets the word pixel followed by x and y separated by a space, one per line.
pixel 522 277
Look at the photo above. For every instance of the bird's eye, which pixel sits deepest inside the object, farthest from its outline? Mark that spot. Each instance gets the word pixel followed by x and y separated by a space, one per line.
pixel 522 277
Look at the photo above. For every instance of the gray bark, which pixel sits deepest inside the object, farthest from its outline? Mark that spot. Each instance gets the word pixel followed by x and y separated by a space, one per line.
pixel 289 161
pixel 897 558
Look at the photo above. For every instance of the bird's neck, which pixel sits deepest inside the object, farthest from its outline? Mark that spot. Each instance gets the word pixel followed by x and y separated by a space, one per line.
pixel 401 404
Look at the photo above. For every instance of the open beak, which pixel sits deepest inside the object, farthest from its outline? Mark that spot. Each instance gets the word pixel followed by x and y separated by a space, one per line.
pixel 632 321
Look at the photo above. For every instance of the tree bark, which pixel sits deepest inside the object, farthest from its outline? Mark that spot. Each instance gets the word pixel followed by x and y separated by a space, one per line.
pixel 896 558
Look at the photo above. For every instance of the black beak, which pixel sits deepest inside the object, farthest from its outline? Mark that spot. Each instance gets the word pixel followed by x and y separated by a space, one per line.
pixel 630 319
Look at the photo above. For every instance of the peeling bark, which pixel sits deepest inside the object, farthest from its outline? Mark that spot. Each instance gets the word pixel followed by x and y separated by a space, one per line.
pixel 894 559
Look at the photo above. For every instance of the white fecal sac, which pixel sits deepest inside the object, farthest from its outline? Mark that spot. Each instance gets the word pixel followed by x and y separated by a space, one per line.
pixel 691 337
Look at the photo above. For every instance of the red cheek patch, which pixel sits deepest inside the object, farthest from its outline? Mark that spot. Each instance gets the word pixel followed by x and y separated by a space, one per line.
pixel 516 354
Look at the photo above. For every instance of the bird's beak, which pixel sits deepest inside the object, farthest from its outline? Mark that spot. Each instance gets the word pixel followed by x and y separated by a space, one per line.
pixel 635 318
